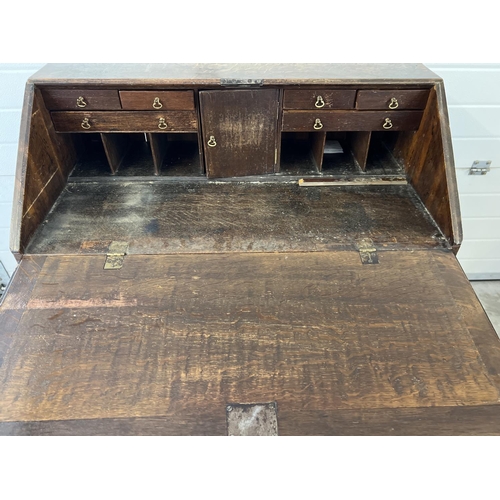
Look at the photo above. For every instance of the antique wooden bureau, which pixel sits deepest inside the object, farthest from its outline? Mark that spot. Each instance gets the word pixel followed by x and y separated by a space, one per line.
pixel 197 242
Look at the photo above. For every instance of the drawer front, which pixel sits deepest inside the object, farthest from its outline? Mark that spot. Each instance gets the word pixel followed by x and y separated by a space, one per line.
pixel 146 121
pixel 153 100
pixel 319 99
pixel 81 99
pixel 350 121
pixel 392 99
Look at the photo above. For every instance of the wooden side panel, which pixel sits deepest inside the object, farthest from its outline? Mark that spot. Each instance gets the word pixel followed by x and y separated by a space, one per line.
pixel 116 147
pixel 243 124
pixel 428 158
pixel 44 162
pixel 317 148
pixel 360 144
pixel 159 146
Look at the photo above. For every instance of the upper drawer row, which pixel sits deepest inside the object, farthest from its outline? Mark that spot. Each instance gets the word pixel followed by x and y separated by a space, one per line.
pixel 355 99
pixel 143 100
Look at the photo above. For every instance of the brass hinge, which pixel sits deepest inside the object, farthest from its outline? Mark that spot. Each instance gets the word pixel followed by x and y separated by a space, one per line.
pixel 116 255
pixel 367 251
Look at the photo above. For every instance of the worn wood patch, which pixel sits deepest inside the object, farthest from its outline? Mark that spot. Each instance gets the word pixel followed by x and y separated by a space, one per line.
pixel 164 334
pixel 233 217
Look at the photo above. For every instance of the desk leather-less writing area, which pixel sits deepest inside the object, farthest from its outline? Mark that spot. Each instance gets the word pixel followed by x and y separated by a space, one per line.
pixel 196 237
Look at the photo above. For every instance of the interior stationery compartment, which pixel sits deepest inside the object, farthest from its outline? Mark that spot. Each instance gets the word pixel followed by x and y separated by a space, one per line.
pixel 136 154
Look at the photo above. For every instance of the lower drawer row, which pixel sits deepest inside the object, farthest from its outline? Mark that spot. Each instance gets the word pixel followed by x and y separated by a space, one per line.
pixel 350 121
pixel 186 121
pixel 125 121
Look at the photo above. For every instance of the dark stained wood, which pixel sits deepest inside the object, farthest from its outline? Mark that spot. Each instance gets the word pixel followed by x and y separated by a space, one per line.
pixel 430 168
pixel 380 99
pixel 297 121
pixel 196 424
pixel 206 74
pixel 186 334
pixel 125 121
pixel 360 144
pixel 159 146
pixel 169 100
pixel 306 99
pixel 244 125
pixel 42 170
pixel 16 298
pixel 317 148
pixel 483 420
pixel 234 217
pixel 93 99
pixel 472 314
pixel 116 147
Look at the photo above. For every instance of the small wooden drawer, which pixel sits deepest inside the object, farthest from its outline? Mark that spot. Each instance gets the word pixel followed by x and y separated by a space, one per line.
pixel 81 99
pixel 392 99
pixel 157 100
pixel 125 121
pixel 319 99
pixel 350 121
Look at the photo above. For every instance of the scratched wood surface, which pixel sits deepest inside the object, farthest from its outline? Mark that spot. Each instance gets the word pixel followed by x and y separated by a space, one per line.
pixel 229 217
pixel 185 334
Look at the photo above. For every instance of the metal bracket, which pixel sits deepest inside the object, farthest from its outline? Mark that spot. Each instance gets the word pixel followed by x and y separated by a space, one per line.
pixel 252 419
pixel 241 82
pixel 480 167
pixel 367 251
pixel 116 255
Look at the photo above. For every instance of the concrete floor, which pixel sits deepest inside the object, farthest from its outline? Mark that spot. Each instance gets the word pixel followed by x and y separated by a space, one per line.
pixel 488 293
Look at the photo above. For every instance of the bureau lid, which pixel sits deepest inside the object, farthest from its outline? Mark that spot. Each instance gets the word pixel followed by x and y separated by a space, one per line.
pixel 166 342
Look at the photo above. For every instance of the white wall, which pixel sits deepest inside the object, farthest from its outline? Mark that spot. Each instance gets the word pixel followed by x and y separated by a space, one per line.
pixel 473 93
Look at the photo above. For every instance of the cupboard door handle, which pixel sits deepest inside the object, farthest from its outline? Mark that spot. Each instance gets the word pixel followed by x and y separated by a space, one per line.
pixel 211 142
pixel 85 124
pixel 80 102
pixel 162 124
pixel 317 124
pixel 157 104
pixel 387 124
pixel 394 103
pixel 319 102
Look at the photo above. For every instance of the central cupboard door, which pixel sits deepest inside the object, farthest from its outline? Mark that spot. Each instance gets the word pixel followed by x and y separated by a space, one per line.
pixel 240 131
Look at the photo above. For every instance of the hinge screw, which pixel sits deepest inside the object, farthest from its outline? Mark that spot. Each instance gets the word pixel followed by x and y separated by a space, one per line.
pixel 229 408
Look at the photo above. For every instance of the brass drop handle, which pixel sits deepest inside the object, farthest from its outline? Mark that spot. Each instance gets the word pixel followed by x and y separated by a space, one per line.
pixel 319 102
pixel 162 124
pixel 157 104
pixel 387 124
pixel 80 102
pixel 317 124
pixel 211 142
pixel 394 103
pixel 85 124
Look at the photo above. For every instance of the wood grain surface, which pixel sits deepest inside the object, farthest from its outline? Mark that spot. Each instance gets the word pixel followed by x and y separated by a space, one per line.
pixel 166 334
pixel 340 120
pixel 233 217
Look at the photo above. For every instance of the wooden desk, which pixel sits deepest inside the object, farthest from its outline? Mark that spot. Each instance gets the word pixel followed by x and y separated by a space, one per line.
pixel 187 244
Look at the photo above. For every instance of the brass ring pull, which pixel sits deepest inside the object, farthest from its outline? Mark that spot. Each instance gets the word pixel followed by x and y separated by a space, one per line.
pixel 319 102
pixel 317 124
pixel 394 103
pixel 211 142
pixel 162 124
pixel 80 102
pixel 157 104
pixel 387 124
pixel 85 124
